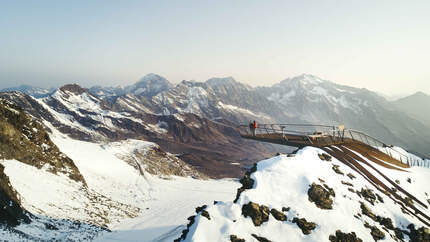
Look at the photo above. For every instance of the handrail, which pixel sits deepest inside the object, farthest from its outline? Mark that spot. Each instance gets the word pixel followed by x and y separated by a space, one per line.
pixel 334 133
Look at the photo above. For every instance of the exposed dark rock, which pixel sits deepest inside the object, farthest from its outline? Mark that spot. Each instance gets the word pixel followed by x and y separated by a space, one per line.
pixel 320 196
pixel 191 220
pixel 428 201
pixel 387 222
pixel 337 170
pixel 351 176
pixel 380 199
pixel 399 233
pixel 24 139
pixel 330 190
pixel 409 180
pixel 344 237
pixel 259 214
pixel 246 181
pixel 73 88
pixel 199 209
pixel 206 214
pixel 419 235
pixel 325 157
pixel 409 201
pixel 376 233
pixel 11 212
pixel 284 209
pixel 366 211
pixel 278 215
pixel 368 195
pixel 50 227
pixel 234 238
pixel 347 183
pixel 397 181
pixel 351 190
pixel 304 225
pixel 260 239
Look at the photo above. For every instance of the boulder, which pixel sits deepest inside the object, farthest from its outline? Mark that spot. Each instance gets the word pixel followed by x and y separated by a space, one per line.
pixel 259 214
pixel 344 237
pixel 278 215
pixel 304 225
pixel 320 196
pixel 234 238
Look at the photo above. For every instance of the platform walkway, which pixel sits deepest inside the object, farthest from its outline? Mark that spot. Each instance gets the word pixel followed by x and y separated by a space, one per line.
pixel 321 136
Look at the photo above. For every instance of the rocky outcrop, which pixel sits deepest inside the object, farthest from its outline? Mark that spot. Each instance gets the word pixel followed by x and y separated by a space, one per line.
pixel 324 157
pixel 368 195
pixel 337 170
pixel 234 238
pixel 259 214
pixel 367 211
pixel 376 233
pixel 344 237
pixel 304 225
pixel 246 181
pixel 11 212
pixel 24 139
pixel 260 238
pixel 419 235
pixel 278 215
pixel 321 196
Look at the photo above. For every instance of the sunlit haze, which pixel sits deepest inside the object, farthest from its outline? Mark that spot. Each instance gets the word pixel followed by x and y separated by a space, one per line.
pixel 380 45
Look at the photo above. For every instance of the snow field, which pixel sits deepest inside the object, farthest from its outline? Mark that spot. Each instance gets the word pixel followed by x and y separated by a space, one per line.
pixel 284 181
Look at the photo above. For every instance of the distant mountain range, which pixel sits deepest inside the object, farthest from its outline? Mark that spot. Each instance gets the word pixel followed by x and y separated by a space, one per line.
pixel 301 99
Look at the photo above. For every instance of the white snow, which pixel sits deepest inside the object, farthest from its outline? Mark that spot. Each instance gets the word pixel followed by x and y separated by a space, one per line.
pixel 163 204
pixel 236 109
pixel 173 201
pixel 284 181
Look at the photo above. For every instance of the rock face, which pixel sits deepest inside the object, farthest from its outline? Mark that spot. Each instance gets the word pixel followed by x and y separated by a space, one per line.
pixel 24 139
pixel 421 234
pixel 320 196
pixel 11 212
pixel 210 146
pixel 259 214
pixel 246 181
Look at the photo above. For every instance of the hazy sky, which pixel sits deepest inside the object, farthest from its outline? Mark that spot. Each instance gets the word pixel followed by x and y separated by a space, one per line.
pixel 381 45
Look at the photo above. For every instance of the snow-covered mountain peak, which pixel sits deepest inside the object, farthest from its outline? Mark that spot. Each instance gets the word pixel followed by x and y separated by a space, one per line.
pixel 303 80
pixel 149 85
pixel 30 90
pixel 216 81
pixel 73 88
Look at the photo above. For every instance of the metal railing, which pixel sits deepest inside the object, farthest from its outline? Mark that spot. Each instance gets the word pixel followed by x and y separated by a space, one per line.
pixel 407 158
pixel 334 134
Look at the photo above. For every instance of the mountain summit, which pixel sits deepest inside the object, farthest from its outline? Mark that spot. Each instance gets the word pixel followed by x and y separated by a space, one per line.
pixel 150 85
